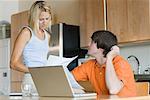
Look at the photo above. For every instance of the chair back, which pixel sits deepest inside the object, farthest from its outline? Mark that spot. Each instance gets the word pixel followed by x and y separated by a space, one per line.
pixel 142 88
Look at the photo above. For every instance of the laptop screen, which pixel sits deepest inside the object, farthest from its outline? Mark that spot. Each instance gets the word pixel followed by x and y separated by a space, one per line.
pixel 52 81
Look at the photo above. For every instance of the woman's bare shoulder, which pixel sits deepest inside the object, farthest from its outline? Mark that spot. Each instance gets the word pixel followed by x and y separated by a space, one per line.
pixel 25 31
pixel 24 34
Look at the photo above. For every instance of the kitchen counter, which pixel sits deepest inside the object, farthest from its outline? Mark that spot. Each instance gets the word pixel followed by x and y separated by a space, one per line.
pixel 115 97
pixel 142 77
pixel 102 97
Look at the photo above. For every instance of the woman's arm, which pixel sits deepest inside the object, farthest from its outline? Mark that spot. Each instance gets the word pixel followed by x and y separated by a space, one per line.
pixel 51 49
pixel 112 81
pixel 16 61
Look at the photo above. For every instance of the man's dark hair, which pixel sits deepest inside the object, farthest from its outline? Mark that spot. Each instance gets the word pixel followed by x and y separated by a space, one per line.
pixel 105 40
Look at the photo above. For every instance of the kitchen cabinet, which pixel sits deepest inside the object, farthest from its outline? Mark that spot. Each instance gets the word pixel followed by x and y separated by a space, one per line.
pixel 17 22
pixel 5 81
pixel 128 19
pixel 4 66
pixel 4 53
pixel 91 19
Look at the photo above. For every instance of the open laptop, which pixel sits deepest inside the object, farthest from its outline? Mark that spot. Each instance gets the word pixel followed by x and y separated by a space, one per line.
pixel 52 81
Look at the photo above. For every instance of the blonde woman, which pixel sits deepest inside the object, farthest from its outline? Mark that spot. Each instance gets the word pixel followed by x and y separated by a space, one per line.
pixel 33 41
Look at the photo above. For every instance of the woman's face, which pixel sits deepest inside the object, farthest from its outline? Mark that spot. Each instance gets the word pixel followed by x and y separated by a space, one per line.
pixel 44 20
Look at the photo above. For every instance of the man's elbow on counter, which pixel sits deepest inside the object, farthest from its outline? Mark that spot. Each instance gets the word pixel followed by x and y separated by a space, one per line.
pixel 114 91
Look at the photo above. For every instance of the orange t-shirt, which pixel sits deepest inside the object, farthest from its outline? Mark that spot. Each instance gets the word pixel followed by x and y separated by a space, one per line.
pixel 95 73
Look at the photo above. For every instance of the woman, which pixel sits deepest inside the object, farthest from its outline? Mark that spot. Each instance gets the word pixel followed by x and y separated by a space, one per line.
pixel 32 43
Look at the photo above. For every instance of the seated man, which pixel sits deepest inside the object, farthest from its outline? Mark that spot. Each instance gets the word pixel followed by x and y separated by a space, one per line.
pixel 109 73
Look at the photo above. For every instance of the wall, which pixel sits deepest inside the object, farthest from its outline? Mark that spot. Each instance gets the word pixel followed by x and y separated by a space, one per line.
pixel 25 4
pixel 65 11
pixel 7 8
pixel 141 51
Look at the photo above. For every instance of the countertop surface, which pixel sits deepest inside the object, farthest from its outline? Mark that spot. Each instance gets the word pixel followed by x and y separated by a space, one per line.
pixel 142 77
pixel 102 97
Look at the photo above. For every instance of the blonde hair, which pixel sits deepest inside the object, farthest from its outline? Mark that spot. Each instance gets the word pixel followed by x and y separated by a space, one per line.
pixel 34 13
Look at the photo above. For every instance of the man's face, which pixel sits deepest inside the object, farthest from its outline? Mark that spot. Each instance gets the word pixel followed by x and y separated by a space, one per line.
pixel 94 51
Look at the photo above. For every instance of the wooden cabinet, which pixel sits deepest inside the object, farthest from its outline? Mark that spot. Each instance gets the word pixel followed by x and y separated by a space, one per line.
pixel 91 19
pixel 128 19
pixel 17 22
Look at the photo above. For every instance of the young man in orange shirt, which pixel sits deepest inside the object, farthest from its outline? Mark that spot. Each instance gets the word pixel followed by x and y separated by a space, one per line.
pixel 109 73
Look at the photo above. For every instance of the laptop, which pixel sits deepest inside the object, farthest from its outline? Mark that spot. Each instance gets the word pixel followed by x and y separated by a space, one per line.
pixel 52 81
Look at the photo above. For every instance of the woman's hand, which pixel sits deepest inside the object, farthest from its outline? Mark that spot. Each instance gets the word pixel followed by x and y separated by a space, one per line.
pixel 114 52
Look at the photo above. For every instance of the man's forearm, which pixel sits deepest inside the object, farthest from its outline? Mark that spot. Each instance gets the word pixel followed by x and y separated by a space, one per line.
pixel 112 81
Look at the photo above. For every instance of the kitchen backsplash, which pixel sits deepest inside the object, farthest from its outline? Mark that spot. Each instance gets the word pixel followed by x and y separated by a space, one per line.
pixel 142 52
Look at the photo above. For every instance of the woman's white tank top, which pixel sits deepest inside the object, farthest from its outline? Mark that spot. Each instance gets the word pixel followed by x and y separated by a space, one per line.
pixel 36 50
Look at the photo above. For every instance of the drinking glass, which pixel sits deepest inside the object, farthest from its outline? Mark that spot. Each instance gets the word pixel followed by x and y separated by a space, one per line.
pixel 26 89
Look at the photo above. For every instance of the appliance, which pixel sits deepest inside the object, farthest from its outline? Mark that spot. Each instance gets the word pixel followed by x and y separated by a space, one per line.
pixel 65 41
pixel 58 83
pixel 4 29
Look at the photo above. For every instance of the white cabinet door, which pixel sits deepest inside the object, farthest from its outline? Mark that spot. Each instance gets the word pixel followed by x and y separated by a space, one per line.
pixel 4 81
pixel 4 53
pixel 4 66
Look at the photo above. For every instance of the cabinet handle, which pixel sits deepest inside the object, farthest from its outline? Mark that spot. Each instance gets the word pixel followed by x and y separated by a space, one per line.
pixel 4 74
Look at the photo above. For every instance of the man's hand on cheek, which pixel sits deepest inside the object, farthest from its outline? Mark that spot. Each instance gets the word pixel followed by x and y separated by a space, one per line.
pixel 114 52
